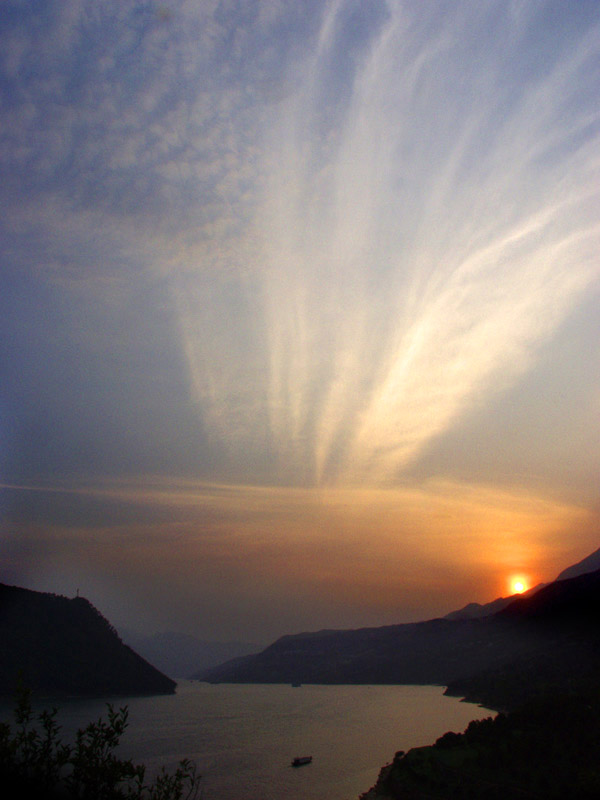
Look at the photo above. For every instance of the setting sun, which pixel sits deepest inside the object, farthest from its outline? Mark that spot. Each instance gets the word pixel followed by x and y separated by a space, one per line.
pixel 518 585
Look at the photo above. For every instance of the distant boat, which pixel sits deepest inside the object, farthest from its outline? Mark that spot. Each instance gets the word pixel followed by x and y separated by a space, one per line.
pixel 296 685
pixel 301 761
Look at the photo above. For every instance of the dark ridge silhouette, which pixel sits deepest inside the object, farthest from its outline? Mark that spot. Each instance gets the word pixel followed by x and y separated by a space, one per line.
pixel 65 646
pixel 477 610
pixel 588 564
pixel 539 638
pixel 547 746
pixel 548 749
pixel 562 623
pixel 571 601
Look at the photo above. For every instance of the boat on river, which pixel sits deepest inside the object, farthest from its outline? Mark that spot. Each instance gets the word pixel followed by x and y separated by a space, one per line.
pixel 300 761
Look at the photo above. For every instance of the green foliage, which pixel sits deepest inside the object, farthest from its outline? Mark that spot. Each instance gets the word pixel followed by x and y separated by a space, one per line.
pixel 33 760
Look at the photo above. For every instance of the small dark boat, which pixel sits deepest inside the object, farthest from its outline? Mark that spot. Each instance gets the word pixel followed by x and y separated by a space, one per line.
pixel 301 761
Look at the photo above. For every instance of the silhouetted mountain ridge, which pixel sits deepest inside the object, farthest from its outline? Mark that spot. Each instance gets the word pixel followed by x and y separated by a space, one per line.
pixel 478 610
pixel 588 564
pixel 555 627
pixel 562 623
pixel 573 600
pixel 548 745
pixel 62 645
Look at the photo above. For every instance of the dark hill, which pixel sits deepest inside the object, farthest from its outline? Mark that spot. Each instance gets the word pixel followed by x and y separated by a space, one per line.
pixel 588 564
pixel 554 627
pixel 571 601
pixel 476 610
pixel 61 645
pixel 563 623
pixel 548 745
pixel 548 749
pixel 425 652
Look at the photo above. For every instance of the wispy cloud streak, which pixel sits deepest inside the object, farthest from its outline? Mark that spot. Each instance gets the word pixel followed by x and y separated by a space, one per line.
pixel 423 235
pixel 367 218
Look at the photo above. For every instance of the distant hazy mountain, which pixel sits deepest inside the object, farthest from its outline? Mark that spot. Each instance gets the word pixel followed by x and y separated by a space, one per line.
pixel 556 629
pixel 478 610
pixel 589 564
pixel 180 655
pixel 62 645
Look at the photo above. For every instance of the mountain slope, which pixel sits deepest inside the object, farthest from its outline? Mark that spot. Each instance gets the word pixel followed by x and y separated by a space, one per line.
pixel 437 651
pixel 478 610
pixel 65 645
pixel 561 617
pixel 588 564
pixel 564 618
pixel 548 745
pixel 548 749
pixel 571 601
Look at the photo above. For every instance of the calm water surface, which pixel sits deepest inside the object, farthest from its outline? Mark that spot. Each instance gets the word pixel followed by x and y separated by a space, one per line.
pixel 243 737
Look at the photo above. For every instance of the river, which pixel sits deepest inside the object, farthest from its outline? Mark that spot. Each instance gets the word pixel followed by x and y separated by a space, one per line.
pixel 244 737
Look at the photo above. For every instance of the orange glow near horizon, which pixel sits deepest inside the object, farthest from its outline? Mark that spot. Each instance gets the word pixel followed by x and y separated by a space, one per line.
pixel 518 584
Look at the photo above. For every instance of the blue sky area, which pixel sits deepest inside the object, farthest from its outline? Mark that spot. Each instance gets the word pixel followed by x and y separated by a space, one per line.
pixel 298 306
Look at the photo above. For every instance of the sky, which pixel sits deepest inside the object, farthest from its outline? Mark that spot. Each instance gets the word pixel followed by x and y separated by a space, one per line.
pixel 298 306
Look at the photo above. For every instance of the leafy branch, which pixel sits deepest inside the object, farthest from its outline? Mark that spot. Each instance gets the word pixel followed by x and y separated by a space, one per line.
pixel 33 758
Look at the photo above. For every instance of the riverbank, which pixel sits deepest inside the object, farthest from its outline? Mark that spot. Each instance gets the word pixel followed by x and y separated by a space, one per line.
pixel 548 749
